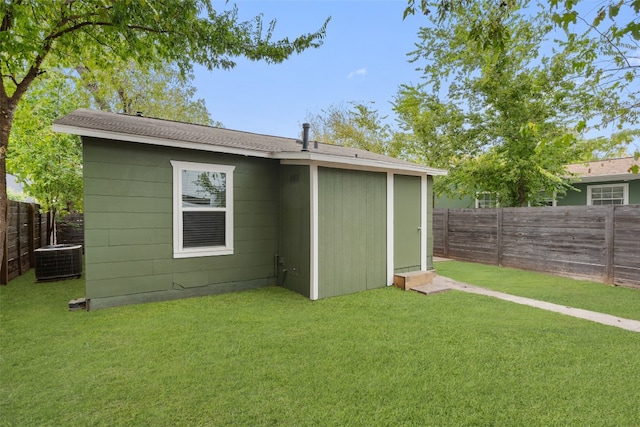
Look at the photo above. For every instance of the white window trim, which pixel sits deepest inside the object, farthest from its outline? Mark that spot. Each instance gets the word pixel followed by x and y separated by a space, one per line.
pixel 625 191
pixel 178 250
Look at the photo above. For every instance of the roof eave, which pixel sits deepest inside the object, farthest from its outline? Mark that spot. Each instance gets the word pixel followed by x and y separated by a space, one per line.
pixel 607 178
pixel 305 157
pixel 119 136
pixel 291 157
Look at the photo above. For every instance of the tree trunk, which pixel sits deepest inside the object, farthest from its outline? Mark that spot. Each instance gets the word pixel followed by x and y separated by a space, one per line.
pixel 522 196
pixel 6 120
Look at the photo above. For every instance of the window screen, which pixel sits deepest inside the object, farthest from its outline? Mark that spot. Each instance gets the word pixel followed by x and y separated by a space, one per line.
pixel 608 195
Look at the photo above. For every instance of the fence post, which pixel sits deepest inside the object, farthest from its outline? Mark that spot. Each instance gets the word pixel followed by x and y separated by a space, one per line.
pixel 609 244
pixel 4 269
pixel 32 236
pixel 19 238
pixel 499 218
pixel 446 233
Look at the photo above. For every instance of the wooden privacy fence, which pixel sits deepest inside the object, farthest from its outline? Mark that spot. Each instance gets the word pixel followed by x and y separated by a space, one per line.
pixel 26 232
pixel 596 242
pixel 70 229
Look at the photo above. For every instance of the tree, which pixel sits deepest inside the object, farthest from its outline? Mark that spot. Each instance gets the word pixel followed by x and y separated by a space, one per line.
pixel 17 196
pixel 615 146
pixel 508 123
pixel 48 164
pixel 36 36
pixel 602 43
pixel 128 87
pixel 359 127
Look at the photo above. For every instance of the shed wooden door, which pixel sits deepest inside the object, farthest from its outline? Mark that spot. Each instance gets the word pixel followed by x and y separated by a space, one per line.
pixel 352 231
pixel 406 229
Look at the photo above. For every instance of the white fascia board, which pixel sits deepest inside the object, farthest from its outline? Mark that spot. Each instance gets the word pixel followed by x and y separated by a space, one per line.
pixel 354 163
pixel 117 136
pixel 288 157
pixel 423 222
pixel 607 178
pixel 390 229
pixel 314 237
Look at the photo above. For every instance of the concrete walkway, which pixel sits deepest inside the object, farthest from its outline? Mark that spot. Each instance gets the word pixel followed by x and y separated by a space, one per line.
pixel 441 283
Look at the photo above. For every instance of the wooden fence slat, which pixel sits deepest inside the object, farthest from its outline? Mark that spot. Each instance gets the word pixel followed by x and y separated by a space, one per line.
pixel 22 239
pixel 609 240
pixel 598 242
pixel 18 242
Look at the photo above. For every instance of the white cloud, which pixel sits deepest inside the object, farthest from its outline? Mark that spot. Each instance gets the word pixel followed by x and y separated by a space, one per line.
pixel 358 72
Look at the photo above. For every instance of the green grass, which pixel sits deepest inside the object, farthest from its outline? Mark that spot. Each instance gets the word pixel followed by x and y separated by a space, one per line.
pixel 614 300
pixel 271 357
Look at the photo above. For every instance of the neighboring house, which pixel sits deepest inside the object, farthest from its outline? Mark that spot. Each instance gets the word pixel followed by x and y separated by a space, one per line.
pixel 175 210
pixel 603 182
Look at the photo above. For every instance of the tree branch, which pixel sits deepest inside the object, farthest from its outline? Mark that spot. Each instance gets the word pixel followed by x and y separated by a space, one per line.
pixel 608 40
pixel 8 18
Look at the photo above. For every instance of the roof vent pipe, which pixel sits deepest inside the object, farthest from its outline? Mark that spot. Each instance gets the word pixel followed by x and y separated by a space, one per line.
pixel 305 136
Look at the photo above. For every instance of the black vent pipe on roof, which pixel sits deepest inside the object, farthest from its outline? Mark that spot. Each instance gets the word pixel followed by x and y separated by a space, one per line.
pixel 305 136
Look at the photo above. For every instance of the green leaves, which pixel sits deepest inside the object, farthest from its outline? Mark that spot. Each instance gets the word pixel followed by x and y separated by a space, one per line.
pixel 151 32
pixel 49 165
pixel 496 114
pixel 36 36
pixel 357 125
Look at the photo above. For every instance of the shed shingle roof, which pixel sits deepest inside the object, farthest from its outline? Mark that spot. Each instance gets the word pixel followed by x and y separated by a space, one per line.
pixel 143 129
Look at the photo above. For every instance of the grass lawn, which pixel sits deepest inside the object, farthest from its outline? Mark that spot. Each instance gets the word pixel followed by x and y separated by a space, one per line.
pixel 271 357
pixel 614 300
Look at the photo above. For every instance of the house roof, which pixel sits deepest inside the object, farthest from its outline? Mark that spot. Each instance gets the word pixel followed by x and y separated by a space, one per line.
pixel 605 170
pixel 146 130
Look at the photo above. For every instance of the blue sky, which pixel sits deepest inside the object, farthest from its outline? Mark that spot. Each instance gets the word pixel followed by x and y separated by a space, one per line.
pixel 363 58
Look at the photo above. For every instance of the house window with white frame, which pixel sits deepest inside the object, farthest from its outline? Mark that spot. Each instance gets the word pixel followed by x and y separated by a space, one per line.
pixel 608 194
pixel 486 199
pixel 202 209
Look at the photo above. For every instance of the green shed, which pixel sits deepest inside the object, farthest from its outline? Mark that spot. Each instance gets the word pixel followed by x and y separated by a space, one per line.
pixel 175 210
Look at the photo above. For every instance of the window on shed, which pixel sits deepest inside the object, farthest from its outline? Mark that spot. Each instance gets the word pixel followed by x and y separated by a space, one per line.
pixel 608 194
pixel 203 209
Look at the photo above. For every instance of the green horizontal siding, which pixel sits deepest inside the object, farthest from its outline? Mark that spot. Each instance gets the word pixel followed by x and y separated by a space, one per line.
pixel 127 204
pixel 121 187
pixel 579 198
pixel 129 224
pixel 295 237
pixel 574 198
pixel 634 192
pixel 175 293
